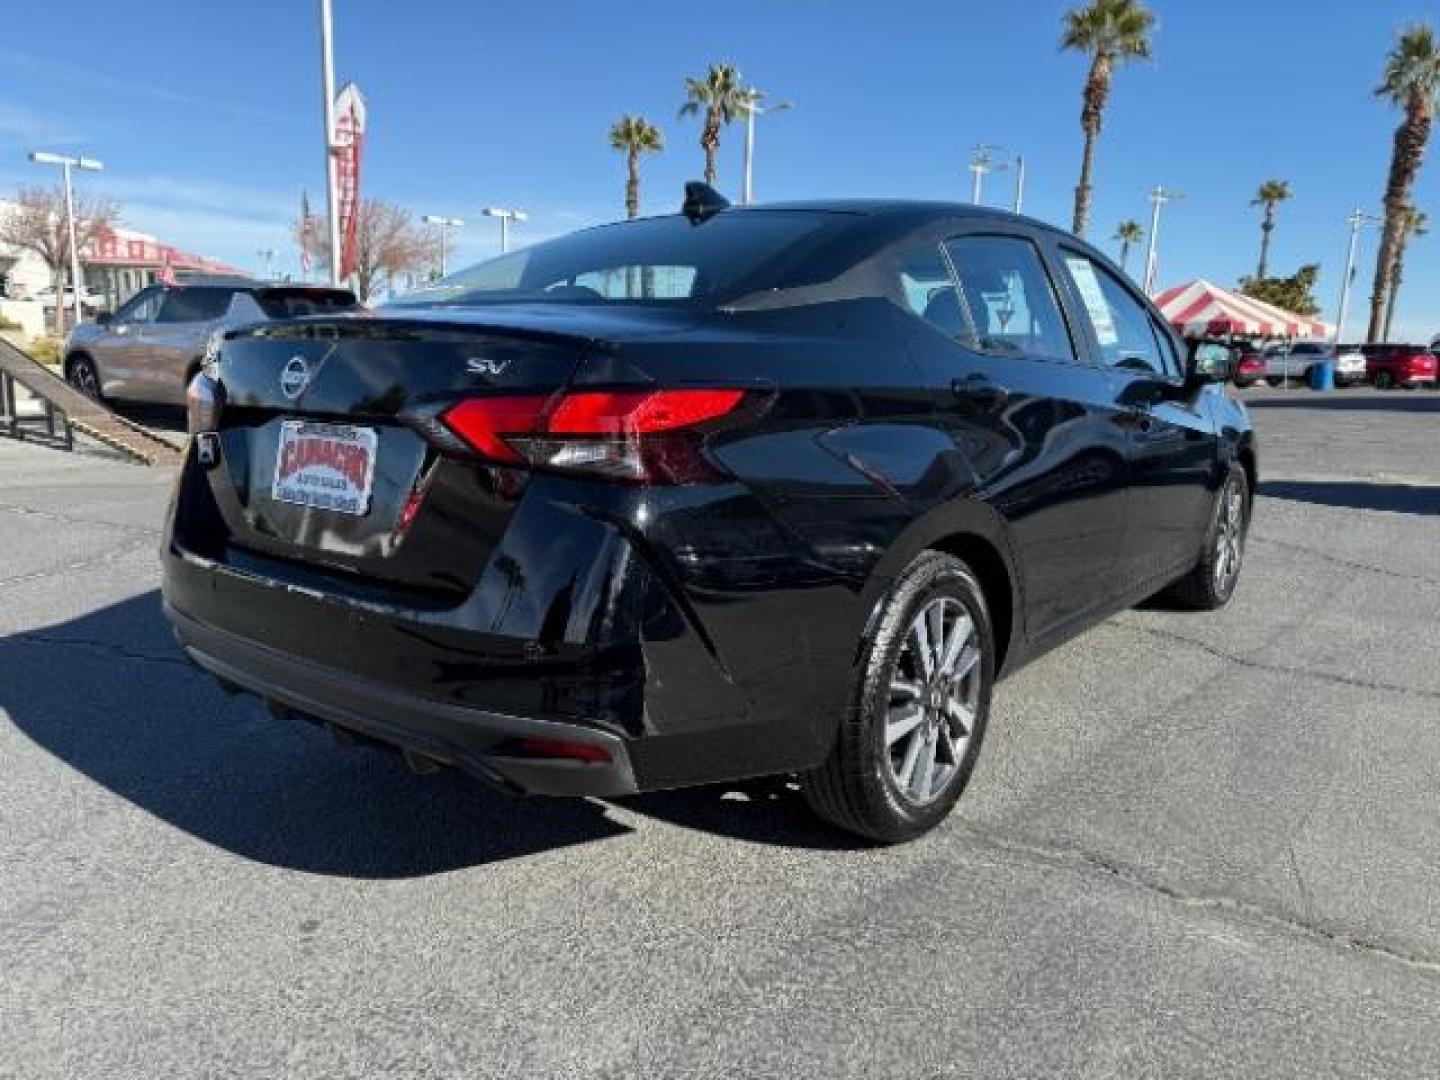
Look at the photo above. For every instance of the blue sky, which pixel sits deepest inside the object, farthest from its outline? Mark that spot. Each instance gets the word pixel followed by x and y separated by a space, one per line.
pixel 207 115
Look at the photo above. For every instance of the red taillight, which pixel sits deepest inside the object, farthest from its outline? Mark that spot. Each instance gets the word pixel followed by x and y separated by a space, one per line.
pixel 636 435
pixel 483 422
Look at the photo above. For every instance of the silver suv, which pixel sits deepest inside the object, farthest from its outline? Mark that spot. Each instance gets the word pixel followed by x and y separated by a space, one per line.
pixel 152 346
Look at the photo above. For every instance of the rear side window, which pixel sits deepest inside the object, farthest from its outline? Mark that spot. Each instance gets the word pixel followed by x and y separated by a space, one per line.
pixel 929 291
pixel 297 303
pixel 1010 297
pixel 140 308
pixel 193 305
pixel 1127 336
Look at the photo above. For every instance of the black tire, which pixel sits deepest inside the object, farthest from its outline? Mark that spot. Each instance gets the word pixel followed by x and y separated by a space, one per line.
pixel 83 375
pixel 858 787
pixel 1276 381
pixel 1205 588
pixel 1384 381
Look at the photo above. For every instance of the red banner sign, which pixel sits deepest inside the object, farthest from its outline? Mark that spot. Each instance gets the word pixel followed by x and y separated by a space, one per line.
pixel 349 138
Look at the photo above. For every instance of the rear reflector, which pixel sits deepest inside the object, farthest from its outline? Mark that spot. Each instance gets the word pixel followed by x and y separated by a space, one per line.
pixel 636 435
pixel 561 748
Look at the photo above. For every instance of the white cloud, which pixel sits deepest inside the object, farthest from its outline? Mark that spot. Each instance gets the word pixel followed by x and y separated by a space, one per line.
pixel 21 125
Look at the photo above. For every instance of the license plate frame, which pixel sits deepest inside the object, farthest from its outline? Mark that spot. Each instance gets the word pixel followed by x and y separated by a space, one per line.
pixel 325 466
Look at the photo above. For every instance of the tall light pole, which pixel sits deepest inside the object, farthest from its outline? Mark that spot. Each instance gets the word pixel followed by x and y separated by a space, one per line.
pixel 1158 198
pixel 332 177
pixel 444 224
pixel 1019 182
pixel 752 109
pixel 506 215
pixel 66 163
pixel 266 256
pixel 1358 220
pixel 982 163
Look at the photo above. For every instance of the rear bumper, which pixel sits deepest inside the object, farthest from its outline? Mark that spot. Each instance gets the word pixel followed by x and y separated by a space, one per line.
pixel 478 742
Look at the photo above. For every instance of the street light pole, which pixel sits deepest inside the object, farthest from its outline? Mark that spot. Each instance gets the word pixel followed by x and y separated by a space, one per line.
pixel 266 255
pixel 1358 220
pixel 1019 182
pixel 444 224
pixel 752 109
pixel 1158 198
pixel 66 163
pixel 982 163
pixel 506 216
pixel 332 178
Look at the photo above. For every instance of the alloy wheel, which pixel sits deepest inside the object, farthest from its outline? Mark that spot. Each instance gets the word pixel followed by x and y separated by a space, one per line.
pixel 82 377
pixel 1229 537
pixel 934 699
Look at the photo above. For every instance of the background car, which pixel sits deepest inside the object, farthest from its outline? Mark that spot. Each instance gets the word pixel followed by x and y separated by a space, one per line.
pixel 1249 368
pixel 150 348
pixel 1389 365
pixel 1287 361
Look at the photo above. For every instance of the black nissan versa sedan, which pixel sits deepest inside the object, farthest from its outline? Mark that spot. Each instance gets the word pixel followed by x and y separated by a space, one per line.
pixel 732 492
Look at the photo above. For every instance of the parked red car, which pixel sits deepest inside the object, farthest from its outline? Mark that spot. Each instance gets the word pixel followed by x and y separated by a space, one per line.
pixel 1250 368
pixel 1399 365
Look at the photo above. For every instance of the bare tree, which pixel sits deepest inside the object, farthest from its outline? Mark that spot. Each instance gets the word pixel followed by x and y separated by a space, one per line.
pixel 36 222
pixel 388 244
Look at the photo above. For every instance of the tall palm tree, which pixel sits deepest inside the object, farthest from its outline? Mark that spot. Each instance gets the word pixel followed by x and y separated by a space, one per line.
pixel 1417 224
pixel 1412 80
pixel 720 97
pixel 1270 195
pixel 1111 33
pixel 1127 234
pixel 635 136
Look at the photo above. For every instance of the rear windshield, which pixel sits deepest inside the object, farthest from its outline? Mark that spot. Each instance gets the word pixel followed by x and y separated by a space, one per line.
pixel 666 260
pixel 296 303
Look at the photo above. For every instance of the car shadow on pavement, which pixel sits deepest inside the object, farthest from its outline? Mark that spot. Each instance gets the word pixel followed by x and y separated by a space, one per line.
pixel 1419 401
pixel 1357 495
pixel 111 695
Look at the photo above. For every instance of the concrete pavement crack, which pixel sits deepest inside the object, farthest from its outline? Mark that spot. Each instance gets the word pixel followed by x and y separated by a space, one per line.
pixel 1349 564
pixel 65 519
pixel 1079 858
pixel 113 555
pixel 1279 669
pixel 105 647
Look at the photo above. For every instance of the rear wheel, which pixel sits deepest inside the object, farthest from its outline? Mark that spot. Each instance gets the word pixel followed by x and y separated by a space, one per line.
pixel 1276 381
pixel 1384 381
pixel 910 737
pixel 83 376
pixel 1211 584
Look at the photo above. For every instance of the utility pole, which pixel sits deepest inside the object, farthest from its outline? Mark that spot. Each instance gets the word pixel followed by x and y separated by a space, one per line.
pixel 66 163
pixel 506 216
pixel 752 109
pixel 1158 198
pixel 332 179
pixel 444 224
pixel 1019 182
pixel 1358 220
pixel 981 163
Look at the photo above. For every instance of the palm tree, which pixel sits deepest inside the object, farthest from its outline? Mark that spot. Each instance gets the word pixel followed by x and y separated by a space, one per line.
pixel 1127 234
pixel 1417 224
pixel 1412 79
pixel 635 136
pixel 721 96
pixel 1112 33
pixel 1270 195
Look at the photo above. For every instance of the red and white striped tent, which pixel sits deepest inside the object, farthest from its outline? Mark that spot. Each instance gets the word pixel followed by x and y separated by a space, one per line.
pixel 1200 308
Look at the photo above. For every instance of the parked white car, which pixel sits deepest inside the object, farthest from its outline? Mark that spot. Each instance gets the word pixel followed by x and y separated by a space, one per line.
pixel 1293 360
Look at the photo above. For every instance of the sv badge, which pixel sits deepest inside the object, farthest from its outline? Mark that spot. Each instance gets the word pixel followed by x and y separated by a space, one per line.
pixel 486 365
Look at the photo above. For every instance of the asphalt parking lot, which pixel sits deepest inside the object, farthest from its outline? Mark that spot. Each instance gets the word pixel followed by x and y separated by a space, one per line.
pixel 1196 845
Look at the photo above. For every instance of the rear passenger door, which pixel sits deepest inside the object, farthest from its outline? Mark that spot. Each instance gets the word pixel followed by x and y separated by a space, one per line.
pixel 176 340
pixel 1032 417
pixel 1173 447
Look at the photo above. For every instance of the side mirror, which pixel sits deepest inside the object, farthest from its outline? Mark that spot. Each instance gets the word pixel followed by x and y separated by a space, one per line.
pixel 104 318
pixel 1210 362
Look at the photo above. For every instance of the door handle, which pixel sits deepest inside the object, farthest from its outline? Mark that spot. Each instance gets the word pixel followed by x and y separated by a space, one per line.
pixel 980 389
